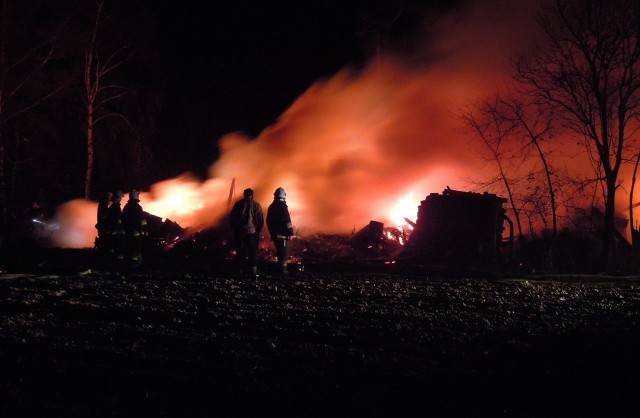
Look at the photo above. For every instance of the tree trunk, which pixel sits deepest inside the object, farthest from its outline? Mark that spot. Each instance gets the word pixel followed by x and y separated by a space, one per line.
pixel 87 178
pixel 634 237
pixel 610 227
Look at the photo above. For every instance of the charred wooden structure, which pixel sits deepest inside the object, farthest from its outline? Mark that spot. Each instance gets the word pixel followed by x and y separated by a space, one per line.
pixel 460 227
pixel 370 239
pixel 162 232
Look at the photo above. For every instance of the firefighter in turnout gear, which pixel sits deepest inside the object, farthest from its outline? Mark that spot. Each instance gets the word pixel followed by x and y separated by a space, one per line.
pixel 247 220
pixel 114 230
pixel 135 226
pixel 280 227
pixel 102 241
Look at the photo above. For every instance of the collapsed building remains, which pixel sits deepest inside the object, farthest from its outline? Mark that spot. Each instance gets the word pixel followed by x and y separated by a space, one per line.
pixel 460 227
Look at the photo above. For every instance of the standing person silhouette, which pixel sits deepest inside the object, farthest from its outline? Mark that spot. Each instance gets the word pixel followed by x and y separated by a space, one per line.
pixel 135 226
pixel 102 222
pixel 247 220
pixel 115 230
pixel 280 227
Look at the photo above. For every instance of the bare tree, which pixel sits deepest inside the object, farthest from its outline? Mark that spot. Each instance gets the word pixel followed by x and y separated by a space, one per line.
pixel 485 121
pixel 590 72
pixel 98 90
pixel 21 87
pixel 535 205
pixel 532 124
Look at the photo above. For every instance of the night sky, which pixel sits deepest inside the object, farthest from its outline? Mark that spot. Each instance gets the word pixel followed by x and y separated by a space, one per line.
pixel 236 66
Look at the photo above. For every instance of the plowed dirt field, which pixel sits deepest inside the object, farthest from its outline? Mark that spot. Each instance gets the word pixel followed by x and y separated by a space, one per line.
pixel 158 343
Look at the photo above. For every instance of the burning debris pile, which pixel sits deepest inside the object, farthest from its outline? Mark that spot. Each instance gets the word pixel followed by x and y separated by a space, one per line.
pixel 460 227
pixel 375 241
pixel 163 233
pixel 454 228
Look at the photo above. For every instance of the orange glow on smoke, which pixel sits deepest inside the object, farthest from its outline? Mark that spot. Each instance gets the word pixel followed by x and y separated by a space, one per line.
pixel 348 151
pixel 359 146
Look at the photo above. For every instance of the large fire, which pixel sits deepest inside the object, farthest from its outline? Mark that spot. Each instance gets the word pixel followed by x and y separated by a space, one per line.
pixel 360 146
pixel 354 148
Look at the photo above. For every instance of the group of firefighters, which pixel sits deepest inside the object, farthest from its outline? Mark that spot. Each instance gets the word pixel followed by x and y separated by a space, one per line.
pixel 247 220
pixel 121 231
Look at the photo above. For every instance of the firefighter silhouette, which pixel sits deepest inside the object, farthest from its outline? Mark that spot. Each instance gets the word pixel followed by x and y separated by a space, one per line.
pixel 135 227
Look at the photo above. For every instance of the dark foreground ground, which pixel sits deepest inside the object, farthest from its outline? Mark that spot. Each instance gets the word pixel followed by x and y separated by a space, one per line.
pixel 325 343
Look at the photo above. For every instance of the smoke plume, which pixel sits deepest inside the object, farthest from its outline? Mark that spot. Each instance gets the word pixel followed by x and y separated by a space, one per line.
pixel 363 145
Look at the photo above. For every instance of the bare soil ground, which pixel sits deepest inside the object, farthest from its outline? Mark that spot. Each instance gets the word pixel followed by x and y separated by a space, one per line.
pixel 326 342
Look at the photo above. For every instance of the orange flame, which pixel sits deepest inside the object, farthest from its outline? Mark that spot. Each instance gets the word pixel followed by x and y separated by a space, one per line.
pixel 353 148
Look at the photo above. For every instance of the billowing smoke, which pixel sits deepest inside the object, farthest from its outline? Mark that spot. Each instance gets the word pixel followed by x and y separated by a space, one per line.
pixel 350 147
pixel 359 146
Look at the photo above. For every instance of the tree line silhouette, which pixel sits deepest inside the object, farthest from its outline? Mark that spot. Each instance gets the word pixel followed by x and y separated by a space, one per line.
pixel 583 85
pixel 78 95
pixel 81 94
